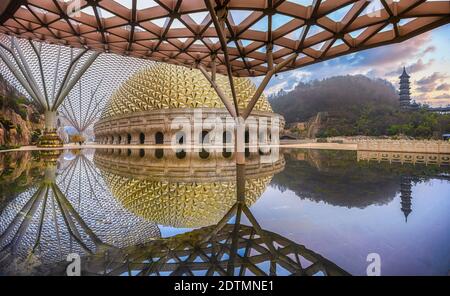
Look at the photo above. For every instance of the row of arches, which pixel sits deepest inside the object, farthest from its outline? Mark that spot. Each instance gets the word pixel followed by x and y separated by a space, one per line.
pixel 180 138
pixel 180 153
pixel 118 139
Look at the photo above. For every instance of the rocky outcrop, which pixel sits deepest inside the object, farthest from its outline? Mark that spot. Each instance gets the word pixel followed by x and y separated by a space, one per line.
pixel 20 121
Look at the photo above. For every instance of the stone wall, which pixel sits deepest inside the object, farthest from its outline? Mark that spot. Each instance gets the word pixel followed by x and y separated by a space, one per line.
pixel 388 145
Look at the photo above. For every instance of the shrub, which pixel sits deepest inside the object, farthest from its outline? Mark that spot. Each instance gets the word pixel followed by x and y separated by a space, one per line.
pixel 35 136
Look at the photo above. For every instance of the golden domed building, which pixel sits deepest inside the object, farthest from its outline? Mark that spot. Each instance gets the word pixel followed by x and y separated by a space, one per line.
pixel 143 109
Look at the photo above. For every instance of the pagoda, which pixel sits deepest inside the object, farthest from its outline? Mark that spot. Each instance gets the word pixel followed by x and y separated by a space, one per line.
pixel 405 94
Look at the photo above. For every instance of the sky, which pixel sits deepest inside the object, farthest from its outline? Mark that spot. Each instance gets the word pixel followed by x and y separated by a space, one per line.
pixel 426 58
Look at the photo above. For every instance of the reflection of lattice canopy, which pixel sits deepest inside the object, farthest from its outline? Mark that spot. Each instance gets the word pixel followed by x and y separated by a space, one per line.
pixel 228 249
pixel 182 32
pixel 73 213
pixel 167 86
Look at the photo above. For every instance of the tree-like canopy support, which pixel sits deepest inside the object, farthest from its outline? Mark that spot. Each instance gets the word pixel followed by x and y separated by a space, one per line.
pixel 25 61
pixel 79 116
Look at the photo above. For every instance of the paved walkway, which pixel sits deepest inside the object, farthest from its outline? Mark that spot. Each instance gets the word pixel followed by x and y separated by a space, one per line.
pixel 312 145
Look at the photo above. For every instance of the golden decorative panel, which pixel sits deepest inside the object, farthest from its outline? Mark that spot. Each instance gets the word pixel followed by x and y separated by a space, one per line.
pixel 166 86
pixel 192 204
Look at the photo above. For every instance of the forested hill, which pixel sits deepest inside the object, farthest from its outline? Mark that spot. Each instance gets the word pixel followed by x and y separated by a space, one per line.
pixel 340 96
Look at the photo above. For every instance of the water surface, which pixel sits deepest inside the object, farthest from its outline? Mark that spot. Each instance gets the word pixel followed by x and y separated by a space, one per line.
pixel 158 212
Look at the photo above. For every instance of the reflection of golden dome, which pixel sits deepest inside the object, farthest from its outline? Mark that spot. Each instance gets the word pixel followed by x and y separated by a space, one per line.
pixel 181 204
pixel 165 86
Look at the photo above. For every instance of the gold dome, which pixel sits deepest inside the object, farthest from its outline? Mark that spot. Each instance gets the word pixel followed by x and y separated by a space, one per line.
pixel 166 86
pixel 176 204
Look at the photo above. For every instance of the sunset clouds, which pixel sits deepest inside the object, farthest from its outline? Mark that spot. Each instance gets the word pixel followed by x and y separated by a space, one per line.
pixel 426 58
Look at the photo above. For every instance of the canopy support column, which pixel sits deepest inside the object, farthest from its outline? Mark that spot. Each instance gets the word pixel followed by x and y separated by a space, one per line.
pixel 219 91
pixel 20 67
pixel 218 16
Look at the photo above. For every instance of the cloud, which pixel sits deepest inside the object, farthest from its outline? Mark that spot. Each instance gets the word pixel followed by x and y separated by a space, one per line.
pixel 443 86
pixel 412 68
pixel 276 88
pixel 425 88
pixel 433 78
pixel 445 96
pixel 429 83
pixel 431 48
pixel 398 52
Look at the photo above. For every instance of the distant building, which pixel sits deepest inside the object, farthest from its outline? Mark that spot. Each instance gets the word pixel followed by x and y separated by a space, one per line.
pixel 301 126
pixel 405 97
pixel 142 109
pixel 405 94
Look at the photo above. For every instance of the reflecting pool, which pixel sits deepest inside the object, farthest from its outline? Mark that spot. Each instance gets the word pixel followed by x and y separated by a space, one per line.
pixel 165 212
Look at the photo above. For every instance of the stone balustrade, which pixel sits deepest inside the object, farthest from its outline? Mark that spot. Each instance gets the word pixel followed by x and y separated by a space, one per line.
pixel 389 145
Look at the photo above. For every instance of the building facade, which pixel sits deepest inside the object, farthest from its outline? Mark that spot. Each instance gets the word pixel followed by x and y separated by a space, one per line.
pixel 167 104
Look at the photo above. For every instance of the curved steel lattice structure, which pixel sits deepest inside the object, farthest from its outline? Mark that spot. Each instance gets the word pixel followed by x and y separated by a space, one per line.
pixel 74 82
pixel 45 73
pixel 83 106
pixel 236 36
pixel 71 211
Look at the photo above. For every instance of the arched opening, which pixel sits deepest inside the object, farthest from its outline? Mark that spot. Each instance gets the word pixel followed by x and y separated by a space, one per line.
pixel 180 154
pixel 225 153
pixel 141 138
pixel 141 152
pixel 203 154
pixel 180 138
pixel 128 152
pixel 226 137
pixel 264 151
pixel 159 153
pixel 204 137
pixel 120 139
pixel 159 138
pixel 247 137
pixel 128 139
